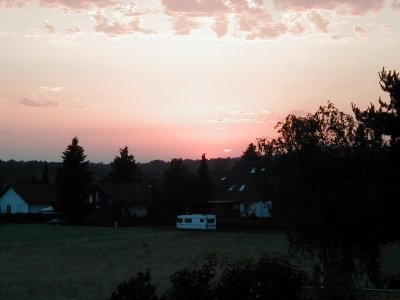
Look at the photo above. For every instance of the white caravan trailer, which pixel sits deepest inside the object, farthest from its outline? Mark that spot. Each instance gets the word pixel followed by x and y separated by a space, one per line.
pixel 196 222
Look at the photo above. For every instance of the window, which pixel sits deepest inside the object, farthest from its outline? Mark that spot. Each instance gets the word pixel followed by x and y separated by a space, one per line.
pixel 210 221
pixel 232 187
pixel 201 220
pixel 242 188
pixel 188 220
pixel 179 220
pixel 9 209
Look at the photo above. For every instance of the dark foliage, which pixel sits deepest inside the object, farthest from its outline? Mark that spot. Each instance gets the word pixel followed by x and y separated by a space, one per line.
pixel 73 181
pixel 267 278
pixel 124 167
pixel 195 284
pixel 392 281
pixel 251 153
pixel 180 189
pixel 138 287
pixel 324 193
pixel 382 127
pixel 205 181
pixel 45 175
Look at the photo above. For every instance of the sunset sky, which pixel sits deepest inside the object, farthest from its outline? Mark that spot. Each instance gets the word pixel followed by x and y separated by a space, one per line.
pixel 178 78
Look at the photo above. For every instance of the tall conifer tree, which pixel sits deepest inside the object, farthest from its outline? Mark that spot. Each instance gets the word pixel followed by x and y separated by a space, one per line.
pixel 73 181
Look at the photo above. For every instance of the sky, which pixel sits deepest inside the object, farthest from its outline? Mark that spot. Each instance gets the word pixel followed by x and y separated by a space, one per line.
pixel 179 78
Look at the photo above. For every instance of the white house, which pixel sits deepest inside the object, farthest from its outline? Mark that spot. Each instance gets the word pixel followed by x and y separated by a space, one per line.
pixel 259 209
pixel 27 198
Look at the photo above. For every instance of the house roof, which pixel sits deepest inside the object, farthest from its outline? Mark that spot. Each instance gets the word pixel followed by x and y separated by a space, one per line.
pixel 126 192
pixel 34 193
pixel 240 184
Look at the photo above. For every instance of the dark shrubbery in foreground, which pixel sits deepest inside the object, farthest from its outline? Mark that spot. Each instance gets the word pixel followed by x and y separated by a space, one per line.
pixel 137 288
pixel 267 278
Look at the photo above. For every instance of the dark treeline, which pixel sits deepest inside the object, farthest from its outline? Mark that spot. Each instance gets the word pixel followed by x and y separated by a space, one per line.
pixel 12 171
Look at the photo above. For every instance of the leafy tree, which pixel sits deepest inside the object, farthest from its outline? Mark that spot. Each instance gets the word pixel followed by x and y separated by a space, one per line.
pixel 205 181
pixel 384 121
pixel 324 195
pixel 124 167
pixel 382 128
pixel 73 181
pixel 138 287
pixel 251 153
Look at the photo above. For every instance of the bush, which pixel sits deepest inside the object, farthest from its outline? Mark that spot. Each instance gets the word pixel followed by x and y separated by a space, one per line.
pixel 137 288
pixel 194 284
pixel 392 282
pixel 268 278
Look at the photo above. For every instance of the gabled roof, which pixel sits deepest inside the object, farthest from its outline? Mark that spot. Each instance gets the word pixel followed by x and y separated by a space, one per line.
pixel 125 192
pixel 240 184
pixel 34 193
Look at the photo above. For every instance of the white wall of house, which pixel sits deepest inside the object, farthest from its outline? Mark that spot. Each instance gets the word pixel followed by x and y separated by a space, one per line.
pixel 260 209
pixel 37 208
pixel 138 211
pixel 11 202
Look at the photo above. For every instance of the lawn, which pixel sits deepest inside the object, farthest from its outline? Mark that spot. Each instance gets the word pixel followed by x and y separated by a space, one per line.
pixel 67 262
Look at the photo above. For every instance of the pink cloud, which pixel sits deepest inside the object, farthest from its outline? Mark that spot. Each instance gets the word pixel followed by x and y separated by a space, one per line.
pixel 195 7
pixel 319 21
pixel 183 25
pixel 39 104
pixel 77 4
pixel 249 19
pixel 356 7
pixel 220 26
pixel 396 5
pixel 48 27
pixel 360 32
pixel 72 30
pixel 71 4
pixel 116 28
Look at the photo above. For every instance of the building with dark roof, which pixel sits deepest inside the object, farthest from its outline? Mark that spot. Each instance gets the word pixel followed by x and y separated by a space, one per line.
pixel 134 196
pixel 237 193
pixel 27 198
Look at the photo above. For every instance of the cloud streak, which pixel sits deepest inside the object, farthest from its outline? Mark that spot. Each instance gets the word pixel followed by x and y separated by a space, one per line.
pixel 39 104
pixel 52 89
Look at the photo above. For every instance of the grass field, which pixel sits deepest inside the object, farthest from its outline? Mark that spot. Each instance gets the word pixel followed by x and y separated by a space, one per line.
pixel 67 262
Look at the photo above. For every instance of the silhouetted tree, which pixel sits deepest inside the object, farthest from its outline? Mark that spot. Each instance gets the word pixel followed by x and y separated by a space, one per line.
pixel 205 181
pixel 45 175
pixel 321 196
pixel 384 121
pixel 124 167
pixel 251 153
pixel 381 129
pixel 180 188
pixel 73 181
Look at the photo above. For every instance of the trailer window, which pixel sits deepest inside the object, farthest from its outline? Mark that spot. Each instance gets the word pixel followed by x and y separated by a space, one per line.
pixel 210 220
pixel 179 220
pixel 201 220
pixel 188 220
